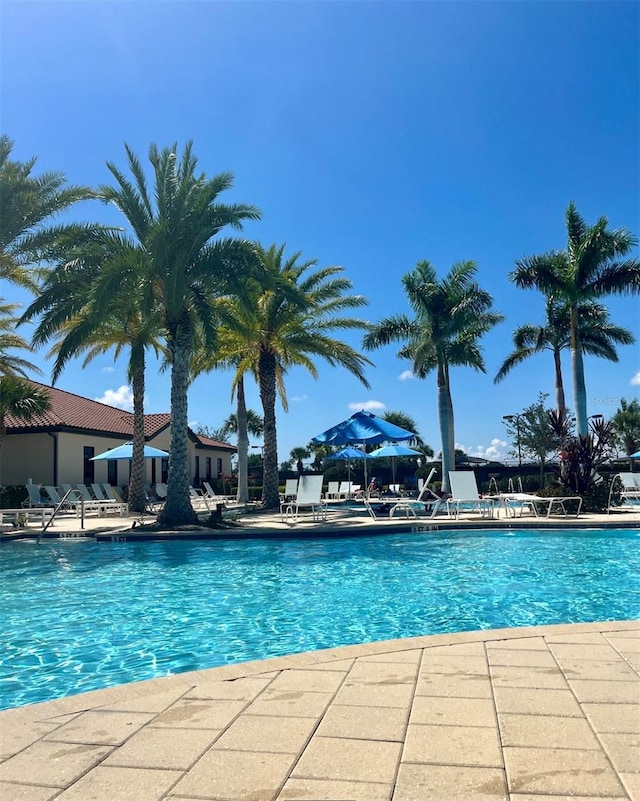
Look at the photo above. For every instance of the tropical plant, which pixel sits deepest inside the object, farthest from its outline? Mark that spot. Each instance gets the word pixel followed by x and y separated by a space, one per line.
pixel 176 224
pixel 591 268
pixel 451 315
pixel 285 321
pixel 626 424
pixel 20 399
pixel 29 204
pixel 597 334
pixel 74 309
pixel 582 455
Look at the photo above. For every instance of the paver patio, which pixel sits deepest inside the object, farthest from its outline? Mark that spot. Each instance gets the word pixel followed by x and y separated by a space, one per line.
pixel 536 714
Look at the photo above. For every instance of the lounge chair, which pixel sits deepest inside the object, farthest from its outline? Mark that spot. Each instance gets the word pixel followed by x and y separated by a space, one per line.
pixel 346 489
pixel 629 487
pixel 309 496
pixel 464 492
pixel 333 491
pixel 426 497
pixel 512 501
pixel 212 495
pixel 101 505
pixel 290 490
pixel 34 499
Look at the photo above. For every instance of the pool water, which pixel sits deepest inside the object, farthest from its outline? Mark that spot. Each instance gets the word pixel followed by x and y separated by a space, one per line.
pixel 78 616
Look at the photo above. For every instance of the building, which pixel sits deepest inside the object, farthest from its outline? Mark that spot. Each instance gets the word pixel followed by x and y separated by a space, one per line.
pixel 57 447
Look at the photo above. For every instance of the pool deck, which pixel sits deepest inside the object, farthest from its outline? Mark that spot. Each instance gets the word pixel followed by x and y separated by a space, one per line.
pixel 531 714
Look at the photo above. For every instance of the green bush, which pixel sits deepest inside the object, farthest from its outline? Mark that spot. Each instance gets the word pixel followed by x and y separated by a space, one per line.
pixel 11 496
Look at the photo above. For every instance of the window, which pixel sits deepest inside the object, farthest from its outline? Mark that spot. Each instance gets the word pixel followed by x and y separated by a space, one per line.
pixel 88 467
pixel 219 467
pixel 112 472
pixel 164 470
pixel 196 475
pixel 153 471
pixel 207 467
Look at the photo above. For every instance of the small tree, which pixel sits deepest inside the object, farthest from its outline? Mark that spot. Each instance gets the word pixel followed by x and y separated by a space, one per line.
pixel 532 431
pixel 626 425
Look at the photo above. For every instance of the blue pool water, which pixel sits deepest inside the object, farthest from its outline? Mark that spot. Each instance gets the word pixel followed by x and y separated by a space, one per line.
pixel 78 616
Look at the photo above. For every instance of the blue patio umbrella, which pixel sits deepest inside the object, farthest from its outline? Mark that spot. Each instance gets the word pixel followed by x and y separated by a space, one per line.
pixel 126 452
pixel 393 451
pixel 363 427
pixel 635 455
pixel 347 454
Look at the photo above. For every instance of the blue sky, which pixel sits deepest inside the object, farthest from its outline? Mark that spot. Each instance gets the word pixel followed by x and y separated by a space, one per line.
pixel 371 135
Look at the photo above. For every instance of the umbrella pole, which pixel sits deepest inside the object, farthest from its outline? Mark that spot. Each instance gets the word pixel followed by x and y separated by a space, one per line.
pixel 366 480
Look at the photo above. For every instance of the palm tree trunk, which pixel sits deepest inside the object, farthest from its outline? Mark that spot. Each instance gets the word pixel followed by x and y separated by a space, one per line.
pixel 267 382
pixel 560 401
pixel 243 444
pixel 137 501
pixel 577 366
pixel 443 418
pixel 451 438
pixel 177 510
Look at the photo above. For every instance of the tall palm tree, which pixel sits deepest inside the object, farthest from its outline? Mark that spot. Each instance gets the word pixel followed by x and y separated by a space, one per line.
pixel 29 204
pixel 73 308
pixel 451 315
pixel 597 334
pixel 286 321
pixel 592 267
pixel 177 224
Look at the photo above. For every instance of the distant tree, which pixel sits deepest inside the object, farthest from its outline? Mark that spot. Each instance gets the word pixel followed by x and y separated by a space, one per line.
pixel 220 434
pixel 533 432
pixel 407 422
pixel 297 455
pixel 594 265
pixel 626 424
pixel 286 467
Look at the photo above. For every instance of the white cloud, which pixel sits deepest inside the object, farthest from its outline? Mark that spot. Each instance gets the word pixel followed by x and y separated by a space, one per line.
pixel 108 370
pixel 368 406
pixel 299 398
pixel 635 380
pixel 405 375
pixel 497 451
pixel 121 398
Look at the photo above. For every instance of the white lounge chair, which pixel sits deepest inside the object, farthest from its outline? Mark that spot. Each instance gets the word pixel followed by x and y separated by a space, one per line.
pixel 290 490
pixel 514 501
pixel 464 492
pixel 333 491
pixel 212 495
pixel 309 496
pixel 426 497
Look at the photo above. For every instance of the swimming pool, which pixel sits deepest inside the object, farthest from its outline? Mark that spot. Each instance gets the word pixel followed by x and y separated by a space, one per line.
pixel 78 616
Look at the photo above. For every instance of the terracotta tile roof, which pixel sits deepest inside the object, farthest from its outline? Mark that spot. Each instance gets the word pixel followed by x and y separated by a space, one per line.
pixel 215 443
pixel 69 411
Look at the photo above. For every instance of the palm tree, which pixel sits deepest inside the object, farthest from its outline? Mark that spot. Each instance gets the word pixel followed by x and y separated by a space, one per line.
pixel 22 400
pixel 626 424
pixel 175 225
pixel 73 307
pixel 11 364
pixel 591 268
pixel 597 335
pixel 28 205
pixel 284 322
pixel 451 315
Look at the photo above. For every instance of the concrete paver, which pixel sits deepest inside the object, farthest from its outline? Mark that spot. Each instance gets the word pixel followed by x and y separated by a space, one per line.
pixel 534 714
